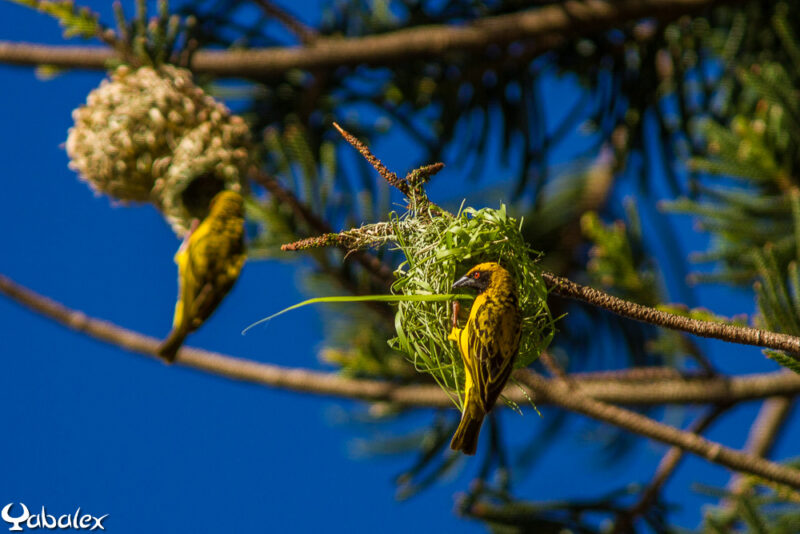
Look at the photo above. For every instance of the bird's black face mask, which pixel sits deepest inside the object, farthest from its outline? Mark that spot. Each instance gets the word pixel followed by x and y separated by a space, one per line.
pixel 478 280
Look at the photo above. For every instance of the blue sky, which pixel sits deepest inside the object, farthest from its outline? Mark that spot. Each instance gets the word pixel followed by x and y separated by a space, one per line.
pixel 174 450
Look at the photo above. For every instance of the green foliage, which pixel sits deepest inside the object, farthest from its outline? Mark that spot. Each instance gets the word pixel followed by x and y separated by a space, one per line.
pixel 307 169
pixel 141 41
pixel 778 288
pixel 778 298
pixel 310 172
pixel 154 41
pixel 751 165
pixel 760 506
pixel 617 262
pixel 612 262
pixel 783 360
pixel 77 22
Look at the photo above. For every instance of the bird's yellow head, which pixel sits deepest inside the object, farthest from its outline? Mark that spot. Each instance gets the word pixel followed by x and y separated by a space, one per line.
pixel 226 204
pixel 483 276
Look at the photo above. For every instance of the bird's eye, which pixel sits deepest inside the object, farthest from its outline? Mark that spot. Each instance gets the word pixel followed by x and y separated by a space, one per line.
pixel 476 275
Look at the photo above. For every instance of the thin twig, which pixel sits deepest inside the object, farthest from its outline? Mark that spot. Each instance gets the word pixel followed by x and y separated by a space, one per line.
pixel 390 177
pixel 764 431
pixel 305 33
pixel 726 332
pixel 694 352
pixel 568 18
pixel 412 186
pixel 700 390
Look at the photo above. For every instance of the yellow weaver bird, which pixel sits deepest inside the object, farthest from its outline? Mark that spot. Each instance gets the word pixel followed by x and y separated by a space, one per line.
pixel 209 262
pixel 488 344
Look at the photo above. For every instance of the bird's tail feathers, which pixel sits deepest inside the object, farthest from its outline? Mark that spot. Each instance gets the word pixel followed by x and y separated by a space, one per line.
pixel 466 437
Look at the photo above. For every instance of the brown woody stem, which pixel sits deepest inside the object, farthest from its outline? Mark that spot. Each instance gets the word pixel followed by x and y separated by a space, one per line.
pixel 666 467
pixel 540 25
pixel 617 388
pixel 561 394
pixel 557 392
pixel 726 332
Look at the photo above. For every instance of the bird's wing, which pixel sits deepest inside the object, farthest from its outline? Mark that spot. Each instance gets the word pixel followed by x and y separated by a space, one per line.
pixel 185 285
pixel 185 243
pixel 182 259
pixel 214 268
pixel 192 276
pixel 492 346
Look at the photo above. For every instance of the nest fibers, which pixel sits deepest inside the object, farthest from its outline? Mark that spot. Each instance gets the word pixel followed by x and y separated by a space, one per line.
pixel 438 249
pixel 150 134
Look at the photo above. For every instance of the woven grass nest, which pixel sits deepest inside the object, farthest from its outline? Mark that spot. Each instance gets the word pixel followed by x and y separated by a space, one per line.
pixel 438 250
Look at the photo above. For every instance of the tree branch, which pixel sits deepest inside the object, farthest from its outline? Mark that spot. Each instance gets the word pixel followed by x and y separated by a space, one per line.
pixel 763 432
pixel 292 379
pixel 556 392
pixel 700 390
pixel 771 417
pixel 561 394
pixel 666 467
pixel 616 388
pixel 572 17
pixel 726 332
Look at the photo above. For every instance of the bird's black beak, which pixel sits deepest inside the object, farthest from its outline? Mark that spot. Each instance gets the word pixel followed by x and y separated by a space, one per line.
pixel 464 281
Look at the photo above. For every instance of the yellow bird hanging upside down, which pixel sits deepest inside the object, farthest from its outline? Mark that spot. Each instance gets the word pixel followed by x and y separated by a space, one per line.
pixel 209 262
pixel 488 344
